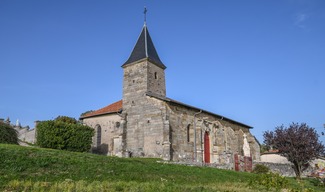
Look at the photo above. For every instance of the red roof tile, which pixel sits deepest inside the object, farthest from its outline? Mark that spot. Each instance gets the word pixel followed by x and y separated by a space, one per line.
pixel 112 108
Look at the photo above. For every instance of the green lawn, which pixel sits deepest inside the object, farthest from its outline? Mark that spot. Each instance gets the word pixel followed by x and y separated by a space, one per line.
pixel 35 169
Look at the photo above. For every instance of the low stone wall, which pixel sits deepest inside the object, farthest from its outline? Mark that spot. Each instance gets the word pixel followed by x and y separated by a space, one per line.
pixel 284 169
pixel 229 166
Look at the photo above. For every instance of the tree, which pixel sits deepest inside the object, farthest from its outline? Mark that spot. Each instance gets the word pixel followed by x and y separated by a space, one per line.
pixel 8 134
pixel 64 133
pixel 66 119
pixel 298 143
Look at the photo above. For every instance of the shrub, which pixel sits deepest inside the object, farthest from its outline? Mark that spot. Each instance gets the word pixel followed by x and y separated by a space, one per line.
pixel 64 136
pixel 8 134
pixel 66 119
pixel 269 181
pixel 260 169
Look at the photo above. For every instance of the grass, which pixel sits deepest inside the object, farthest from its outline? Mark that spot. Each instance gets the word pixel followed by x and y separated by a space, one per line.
pixel 36 169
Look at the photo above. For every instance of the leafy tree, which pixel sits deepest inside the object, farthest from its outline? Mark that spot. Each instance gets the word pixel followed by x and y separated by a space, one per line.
pixel 298 143
pixel 8 134
pixel 64 133
pixel 66 119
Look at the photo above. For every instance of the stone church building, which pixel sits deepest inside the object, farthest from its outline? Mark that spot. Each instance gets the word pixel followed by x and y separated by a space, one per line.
pixel 146 123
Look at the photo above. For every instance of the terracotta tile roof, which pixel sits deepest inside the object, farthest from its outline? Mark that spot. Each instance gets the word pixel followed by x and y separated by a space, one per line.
pixel 112 108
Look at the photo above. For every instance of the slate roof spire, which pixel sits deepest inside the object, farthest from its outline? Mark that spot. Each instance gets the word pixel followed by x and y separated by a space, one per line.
pixel 144 48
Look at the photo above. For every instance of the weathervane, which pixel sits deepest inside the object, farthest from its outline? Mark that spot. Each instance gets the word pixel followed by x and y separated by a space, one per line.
pixel 145 15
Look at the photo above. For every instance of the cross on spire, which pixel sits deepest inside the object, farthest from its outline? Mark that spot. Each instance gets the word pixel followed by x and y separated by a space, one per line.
pixel 144 48
pixel 145 15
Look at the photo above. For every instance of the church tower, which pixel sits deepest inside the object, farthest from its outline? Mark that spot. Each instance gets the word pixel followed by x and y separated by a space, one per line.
pixel 144 73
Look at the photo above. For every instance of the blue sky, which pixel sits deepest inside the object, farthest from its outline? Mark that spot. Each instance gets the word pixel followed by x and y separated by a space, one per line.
pixel 259 62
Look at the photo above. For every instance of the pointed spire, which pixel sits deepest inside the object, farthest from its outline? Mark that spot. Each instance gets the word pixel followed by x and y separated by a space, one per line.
pixel 144 48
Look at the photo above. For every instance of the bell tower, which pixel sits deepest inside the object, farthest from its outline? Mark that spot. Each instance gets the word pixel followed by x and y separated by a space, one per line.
pixel 144 73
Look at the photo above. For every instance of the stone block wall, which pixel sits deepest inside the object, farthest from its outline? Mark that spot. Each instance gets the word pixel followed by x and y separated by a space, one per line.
pixel 226 138
pixel 145 132
pixel 145 117
pixel 156 80
pixel 285 169
pixel 108 131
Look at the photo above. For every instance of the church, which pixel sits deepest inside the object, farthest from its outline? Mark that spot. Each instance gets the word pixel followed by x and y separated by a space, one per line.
pixel 146 123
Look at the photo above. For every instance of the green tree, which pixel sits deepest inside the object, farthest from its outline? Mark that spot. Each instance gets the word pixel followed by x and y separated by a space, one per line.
pixel 8 134
pixel 66 119
pixel 65 134
pixel 298 143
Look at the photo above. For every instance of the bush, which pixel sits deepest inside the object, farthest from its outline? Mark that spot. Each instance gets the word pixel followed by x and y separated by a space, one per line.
pixel 64 136
pixel 66 119
pixel 260 169
pixel 269 181
pixel 8 134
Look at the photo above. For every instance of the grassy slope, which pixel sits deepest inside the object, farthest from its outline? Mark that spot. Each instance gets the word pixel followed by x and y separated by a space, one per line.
pixel 25 164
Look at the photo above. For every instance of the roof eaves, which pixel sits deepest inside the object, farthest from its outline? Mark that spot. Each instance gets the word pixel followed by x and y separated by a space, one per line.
pixel 99 114
pixel 145 59
pixel 112 108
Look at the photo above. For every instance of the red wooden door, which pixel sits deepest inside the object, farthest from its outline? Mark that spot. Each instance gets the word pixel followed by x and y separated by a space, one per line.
pixel 206 147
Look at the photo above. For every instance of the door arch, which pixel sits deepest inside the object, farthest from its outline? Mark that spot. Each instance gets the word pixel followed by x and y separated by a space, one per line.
pixel 206 147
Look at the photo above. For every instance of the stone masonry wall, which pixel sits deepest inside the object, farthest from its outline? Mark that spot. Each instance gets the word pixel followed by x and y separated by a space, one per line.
pixel 285 169
pixel 145 128
pixel 226 138
pixel 156 80
pixel 134 88
pixel 144 116
pixel 109 130
pixel 182 146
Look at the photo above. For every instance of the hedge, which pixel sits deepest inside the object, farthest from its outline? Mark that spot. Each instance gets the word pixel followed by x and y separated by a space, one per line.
pixel 8 134
pixel 64 136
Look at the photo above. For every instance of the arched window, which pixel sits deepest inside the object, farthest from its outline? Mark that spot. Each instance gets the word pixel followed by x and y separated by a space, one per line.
pixel 98 136
pixel 156 75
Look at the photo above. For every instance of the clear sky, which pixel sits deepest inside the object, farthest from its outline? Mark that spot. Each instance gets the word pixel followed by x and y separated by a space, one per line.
pixel 259 62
